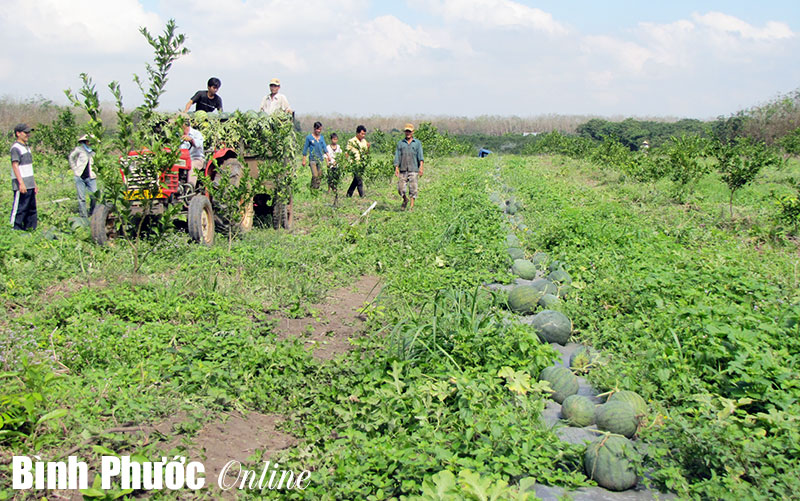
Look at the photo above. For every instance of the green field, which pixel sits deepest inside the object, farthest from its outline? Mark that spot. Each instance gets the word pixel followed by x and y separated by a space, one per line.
pixel 694 310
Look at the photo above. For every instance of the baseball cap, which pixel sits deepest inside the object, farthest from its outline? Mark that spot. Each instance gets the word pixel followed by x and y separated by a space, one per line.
pixel 22 127
pixel 84 137
pixel 409 127
pixel 275 81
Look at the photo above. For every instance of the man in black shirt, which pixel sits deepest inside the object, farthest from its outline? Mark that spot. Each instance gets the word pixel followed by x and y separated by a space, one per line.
pixel 207 101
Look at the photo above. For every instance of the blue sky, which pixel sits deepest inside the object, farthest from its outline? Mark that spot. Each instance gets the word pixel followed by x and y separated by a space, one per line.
pixel 436 57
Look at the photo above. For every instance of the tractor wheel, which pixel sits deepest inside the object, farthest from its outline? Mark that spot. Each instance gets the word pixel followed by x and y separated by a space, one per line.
pixel 234 170
pixel 201 220
pixel 104 225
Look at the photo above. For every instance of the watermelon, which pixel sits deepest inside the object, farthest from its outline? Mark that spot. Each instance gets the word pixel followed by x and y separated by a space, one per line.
pixel 516 253
pixel 636 402
pixel 549 301
pixel 607 461
pixel 512 240
pixel 511 208
pixel 540 259
pixel 563 382
pixel 523 299
pixel 578 410
pixel 560 277
pixel 583 358
pixel 555 265
pixel 617 417
pixel 494 197
pixel 545 286
pixel 553 326
pixel 522 227
pixel 524 269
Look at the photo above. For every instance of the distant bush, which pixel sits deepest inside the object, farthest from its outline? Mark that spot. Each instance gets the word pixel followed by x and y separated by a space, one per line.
pixel 632 132
pixel 59 136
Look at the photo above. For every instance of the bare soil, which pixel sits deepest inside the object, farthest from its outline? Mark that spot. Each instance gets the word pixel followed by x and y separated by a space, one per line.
pixel 334 321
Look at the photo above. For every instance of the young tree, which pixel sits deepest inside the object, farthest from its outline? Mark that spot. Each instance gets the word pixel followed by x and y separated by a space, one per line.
pixel 740 161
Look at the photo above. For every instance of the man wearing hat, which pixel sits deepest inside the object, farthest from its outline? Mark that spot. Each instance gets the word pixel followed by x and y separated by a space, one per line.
pixel 81 161
pixel 408 161
pixel 23 208
pixel 275 101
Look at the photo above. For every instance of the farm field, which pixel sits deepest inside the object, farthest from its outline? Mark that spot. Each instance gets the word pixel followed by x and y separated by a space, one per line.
pixel 368 351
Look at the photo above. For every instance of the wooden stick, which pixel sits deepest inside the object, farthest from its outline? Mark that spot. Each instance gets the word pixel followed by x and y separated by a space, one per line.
pixel 365 213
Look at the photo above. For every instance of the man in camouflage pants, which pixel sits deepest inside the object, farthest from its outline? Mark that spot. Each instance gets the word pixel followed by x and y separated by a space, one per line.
pixel 408 161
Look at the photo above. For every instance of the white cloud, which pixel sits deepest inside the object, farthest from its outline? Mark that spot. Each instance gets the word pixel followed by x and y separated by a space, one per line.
pixel 84 26
pixel 494 14
pixel 717 21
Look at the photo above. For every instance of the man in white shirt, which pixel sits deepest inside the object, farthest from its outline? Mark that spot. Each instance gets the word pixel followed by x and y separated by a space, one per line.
pixel 193 141
pixel 275 101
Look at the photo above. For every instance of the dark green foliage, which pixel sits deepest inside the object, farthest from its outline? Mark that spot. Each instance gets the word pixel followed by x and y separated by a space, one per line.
pixel 740 161
pixel 58 137
pixel 631 132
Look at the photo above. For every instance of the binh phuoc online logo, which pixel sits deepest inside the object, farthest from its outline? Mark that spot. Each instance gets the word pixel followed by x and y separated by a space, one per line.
pixel 171 474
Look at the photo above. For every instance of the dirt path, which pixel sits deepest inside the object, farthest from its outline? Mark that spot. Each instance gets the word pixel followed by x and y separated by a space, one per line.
pixel 335 321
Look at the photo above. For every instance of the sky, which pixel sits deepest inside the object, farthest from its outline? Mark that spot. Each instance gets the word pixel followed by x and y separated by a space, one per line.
pixel 680 58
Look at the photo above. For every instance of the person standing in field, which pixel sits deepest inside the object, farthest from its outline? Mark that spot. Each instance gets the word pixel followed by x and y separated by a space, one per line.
pixel 275 101
pixel 315 151
pixel 356 146
pixel 333 151
pixel 23 208
pixel 193 141
pixel 207 100
pixel 408 162
pixel 81 161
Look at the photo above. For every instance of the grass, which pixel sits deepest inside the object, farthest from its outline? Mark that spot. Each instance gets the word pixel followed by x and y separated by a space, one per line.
pixel 691 311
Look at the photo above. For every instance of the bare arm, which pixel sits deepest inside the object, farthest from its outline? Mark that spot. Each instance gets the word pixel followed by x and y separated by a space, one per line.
pixel 188 105
pixel 20 181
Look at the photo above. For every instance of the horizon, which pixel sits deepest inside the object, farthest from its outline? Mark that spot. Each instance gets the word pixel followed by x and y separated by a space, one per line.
pixel 469 58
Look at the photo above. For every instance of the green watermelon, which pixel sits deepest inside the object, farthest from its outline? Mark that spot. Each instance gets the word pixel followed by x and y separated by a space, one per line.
pixel 607 461
pixel 494 197
pixel 549 301
pixel 560 277
pixel 511 208
pixel 553 326
pixel 540 259
pixel 583 358
pixel 516 253
pixel 512 240
pixel 555 265
pixel 578 410
pixel 524 269
pixel 617 417
pixel 522 227
pixel 544 285
pixel 523 299
pixel 636 402
pixel 563 382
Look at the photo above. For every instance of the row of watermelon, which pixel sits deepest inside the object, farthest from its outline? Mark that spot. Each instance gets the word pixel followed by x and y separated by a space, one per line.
pixel 610 458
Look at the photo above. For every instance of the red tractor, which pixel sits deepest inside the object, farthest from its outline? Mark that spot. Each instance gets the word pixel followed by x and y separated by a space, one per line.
pixel 197 205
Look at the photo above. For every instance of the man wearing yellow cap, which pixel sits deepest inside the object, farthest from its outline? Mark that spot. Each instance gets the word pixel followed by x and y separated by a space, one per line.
pixel 275 101
pixel 408 161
